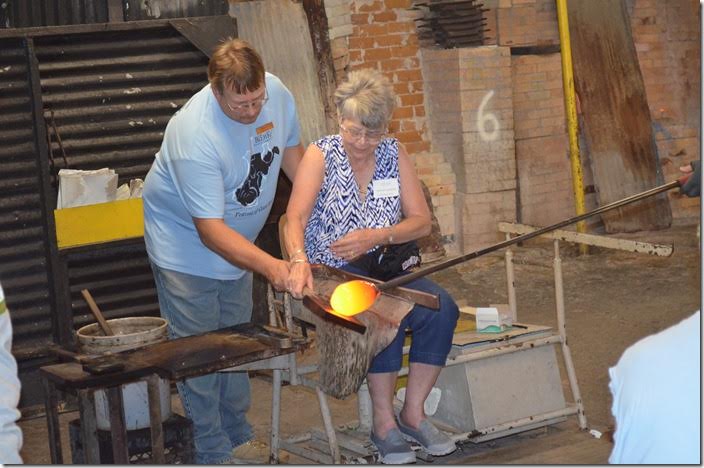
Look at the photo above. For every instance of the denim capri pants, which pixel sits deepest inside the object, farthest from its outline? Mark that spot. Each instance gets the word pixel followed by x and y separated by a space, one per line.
pixel 432 330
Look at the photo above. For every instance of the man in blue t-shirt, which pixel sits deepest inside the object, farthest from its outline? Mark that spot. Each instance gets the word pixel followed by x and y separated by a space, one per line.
pixel 206 197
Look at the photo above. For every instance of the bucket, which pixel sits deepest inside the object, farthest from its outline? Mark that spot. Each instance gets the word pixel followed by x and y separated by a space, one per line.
pixel 130 333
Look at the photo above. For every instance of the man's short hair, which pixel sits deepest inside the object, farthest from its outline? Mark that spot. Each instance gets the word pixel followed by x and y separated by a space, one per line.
pixel 237 66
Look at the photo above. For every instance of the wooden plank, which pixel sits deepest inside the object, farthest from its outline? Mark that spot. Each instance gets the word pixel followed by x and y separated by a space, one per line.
pixel 206 32
pixel 660 250
pixel 178 358
pixel 320 39
pixel 617 120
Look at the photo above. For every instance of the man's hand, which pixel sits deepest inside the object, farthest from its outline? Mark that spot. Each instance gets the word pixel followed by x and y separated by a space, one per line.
pixel 301 277
pixel 277 273
pixel 691 182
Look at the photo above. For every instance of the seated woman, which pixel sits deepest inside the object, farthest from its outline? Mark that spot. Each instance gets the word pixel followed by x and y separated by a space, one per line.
pixel 353 193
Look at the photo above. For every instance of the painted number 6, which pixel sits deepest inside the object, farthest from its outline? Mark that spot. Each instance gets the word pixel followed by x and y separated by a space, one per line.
pixel 487 124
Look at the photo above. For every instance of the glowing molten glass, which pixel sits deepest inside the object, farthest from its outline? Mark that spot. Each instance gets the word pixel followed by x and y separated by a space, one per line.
pixel 353 297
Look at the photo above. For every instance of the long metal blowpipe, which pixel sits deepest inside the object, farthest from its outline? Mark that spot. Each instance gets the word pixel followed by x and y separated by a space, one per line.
pixel 355 296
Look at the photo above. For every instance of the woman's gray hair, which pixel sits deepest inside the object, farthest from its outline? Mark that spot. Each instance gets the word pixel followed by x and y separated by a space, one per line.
pixel 366 95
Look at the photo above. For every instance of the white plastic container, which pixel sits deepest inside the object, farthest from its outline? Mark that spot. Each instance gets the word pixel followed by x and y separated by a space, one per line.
pixel 130 333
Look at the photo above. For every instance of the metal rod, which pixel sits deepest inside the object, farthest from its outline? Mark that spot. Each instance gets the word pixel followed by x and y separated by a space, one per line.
pixel 524 237
pixel 562 329
pixel 329 428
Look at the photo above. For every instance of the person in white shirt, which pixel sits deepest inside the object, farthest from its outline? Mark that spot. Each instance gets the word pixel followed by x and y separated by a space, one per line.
pixel 10 434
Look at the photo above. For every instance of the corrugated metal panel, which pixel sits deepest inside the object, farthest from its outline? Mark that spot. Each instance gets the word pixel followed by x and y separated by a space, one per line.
pixel 31 13
pixel 112 94
pixel 156 9
pixel 107 97
pixel 23 255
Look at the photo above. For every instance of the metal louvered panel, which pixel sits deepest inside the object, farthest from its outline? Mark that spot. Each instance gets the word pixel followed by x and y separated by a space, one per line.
pixel 23 255
pixel 103 94
pixel 111 94
pixel 107 98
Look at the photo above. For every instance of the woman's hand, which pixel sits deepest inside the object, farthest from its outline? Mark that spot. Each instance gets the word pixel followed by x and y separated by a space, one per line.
pixel 355 243
pixel 299 278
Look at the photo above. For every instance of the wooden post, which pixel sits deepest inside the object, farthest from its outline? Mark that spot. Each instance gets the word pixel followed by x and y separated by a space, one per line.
pixel 89 427
pixel 52 421
pixel 155 425
pixel 118 428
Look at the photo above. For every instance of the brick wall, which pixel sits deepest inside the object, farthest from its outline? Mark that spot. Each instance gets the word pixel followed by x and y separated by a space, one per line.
pixel 383 37
pixel 667 38
pixel 527 102
pixel 527 22
pixel 542 147
pixel 471 121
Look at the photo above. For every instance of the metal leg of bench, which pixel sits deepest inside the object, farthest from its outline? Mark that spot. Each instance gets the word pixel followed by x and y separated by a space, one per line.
pixel 275 417
pixel 329 429
pixel 562 329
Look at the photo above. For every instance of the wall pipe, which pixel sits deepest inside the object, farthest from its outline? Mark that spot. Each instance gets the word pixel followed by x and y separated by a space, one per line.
pixel 571 114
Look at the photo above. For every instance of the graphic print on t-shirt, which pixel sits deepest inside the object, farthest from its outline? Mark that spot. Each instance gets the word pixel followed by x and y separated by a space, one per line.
pixel 258 168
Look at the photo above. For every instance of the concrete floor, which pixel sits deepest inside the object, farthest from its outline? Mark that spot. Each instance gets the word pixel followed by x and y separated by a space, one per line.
pixel 612 300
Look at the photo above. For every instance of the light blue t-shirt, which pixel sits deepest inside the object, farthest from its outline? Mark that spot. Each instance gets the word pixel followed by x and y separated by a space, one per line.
pixel 210 166
pixel 656 389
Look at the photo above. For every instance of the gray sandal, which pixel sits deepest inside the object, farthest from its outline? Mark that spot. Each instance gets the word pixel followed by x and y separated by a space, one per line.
pixel 432 440
pixel 393 450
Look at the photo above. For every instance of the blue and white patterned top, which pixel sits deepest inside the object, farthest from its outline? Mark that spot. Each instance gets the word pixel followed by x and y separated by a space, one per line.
pixel 339 210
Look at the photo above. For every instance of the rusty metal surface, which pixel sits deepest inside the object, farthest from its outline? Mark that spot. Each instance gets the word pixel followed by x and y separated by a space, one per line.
pixel 33 13
pixel 159 9
pixel 178 358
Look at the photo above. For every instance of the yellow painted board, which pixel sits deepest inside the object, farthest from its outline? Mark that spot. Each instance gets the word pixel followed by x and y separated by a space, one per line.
pixel 102 222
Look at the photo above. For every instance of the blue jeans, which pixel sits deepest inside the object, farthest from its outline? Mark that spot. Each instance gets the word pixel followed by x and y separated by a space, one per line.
pixel 432 330
pixel 216 403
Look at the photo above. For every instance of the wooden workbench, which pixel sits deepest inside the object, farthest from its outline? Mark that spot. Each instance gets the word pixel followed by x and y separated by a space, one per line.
pixel 175 359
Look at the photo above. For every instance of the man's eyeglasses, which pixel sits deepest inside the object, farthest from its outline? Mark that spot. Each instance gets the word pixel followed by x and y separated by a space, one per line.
pixel 357 134
pixel 254 103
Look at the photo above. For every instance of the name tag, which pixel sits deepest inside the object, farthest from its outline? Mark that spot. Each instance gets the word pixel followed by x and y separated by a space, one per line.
pixel 385 188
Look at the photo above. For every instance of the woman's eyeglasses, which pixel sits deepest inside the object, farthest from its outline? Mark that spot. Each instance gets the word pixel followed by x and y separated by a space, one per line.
pixel 254 103
pixel 357 134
